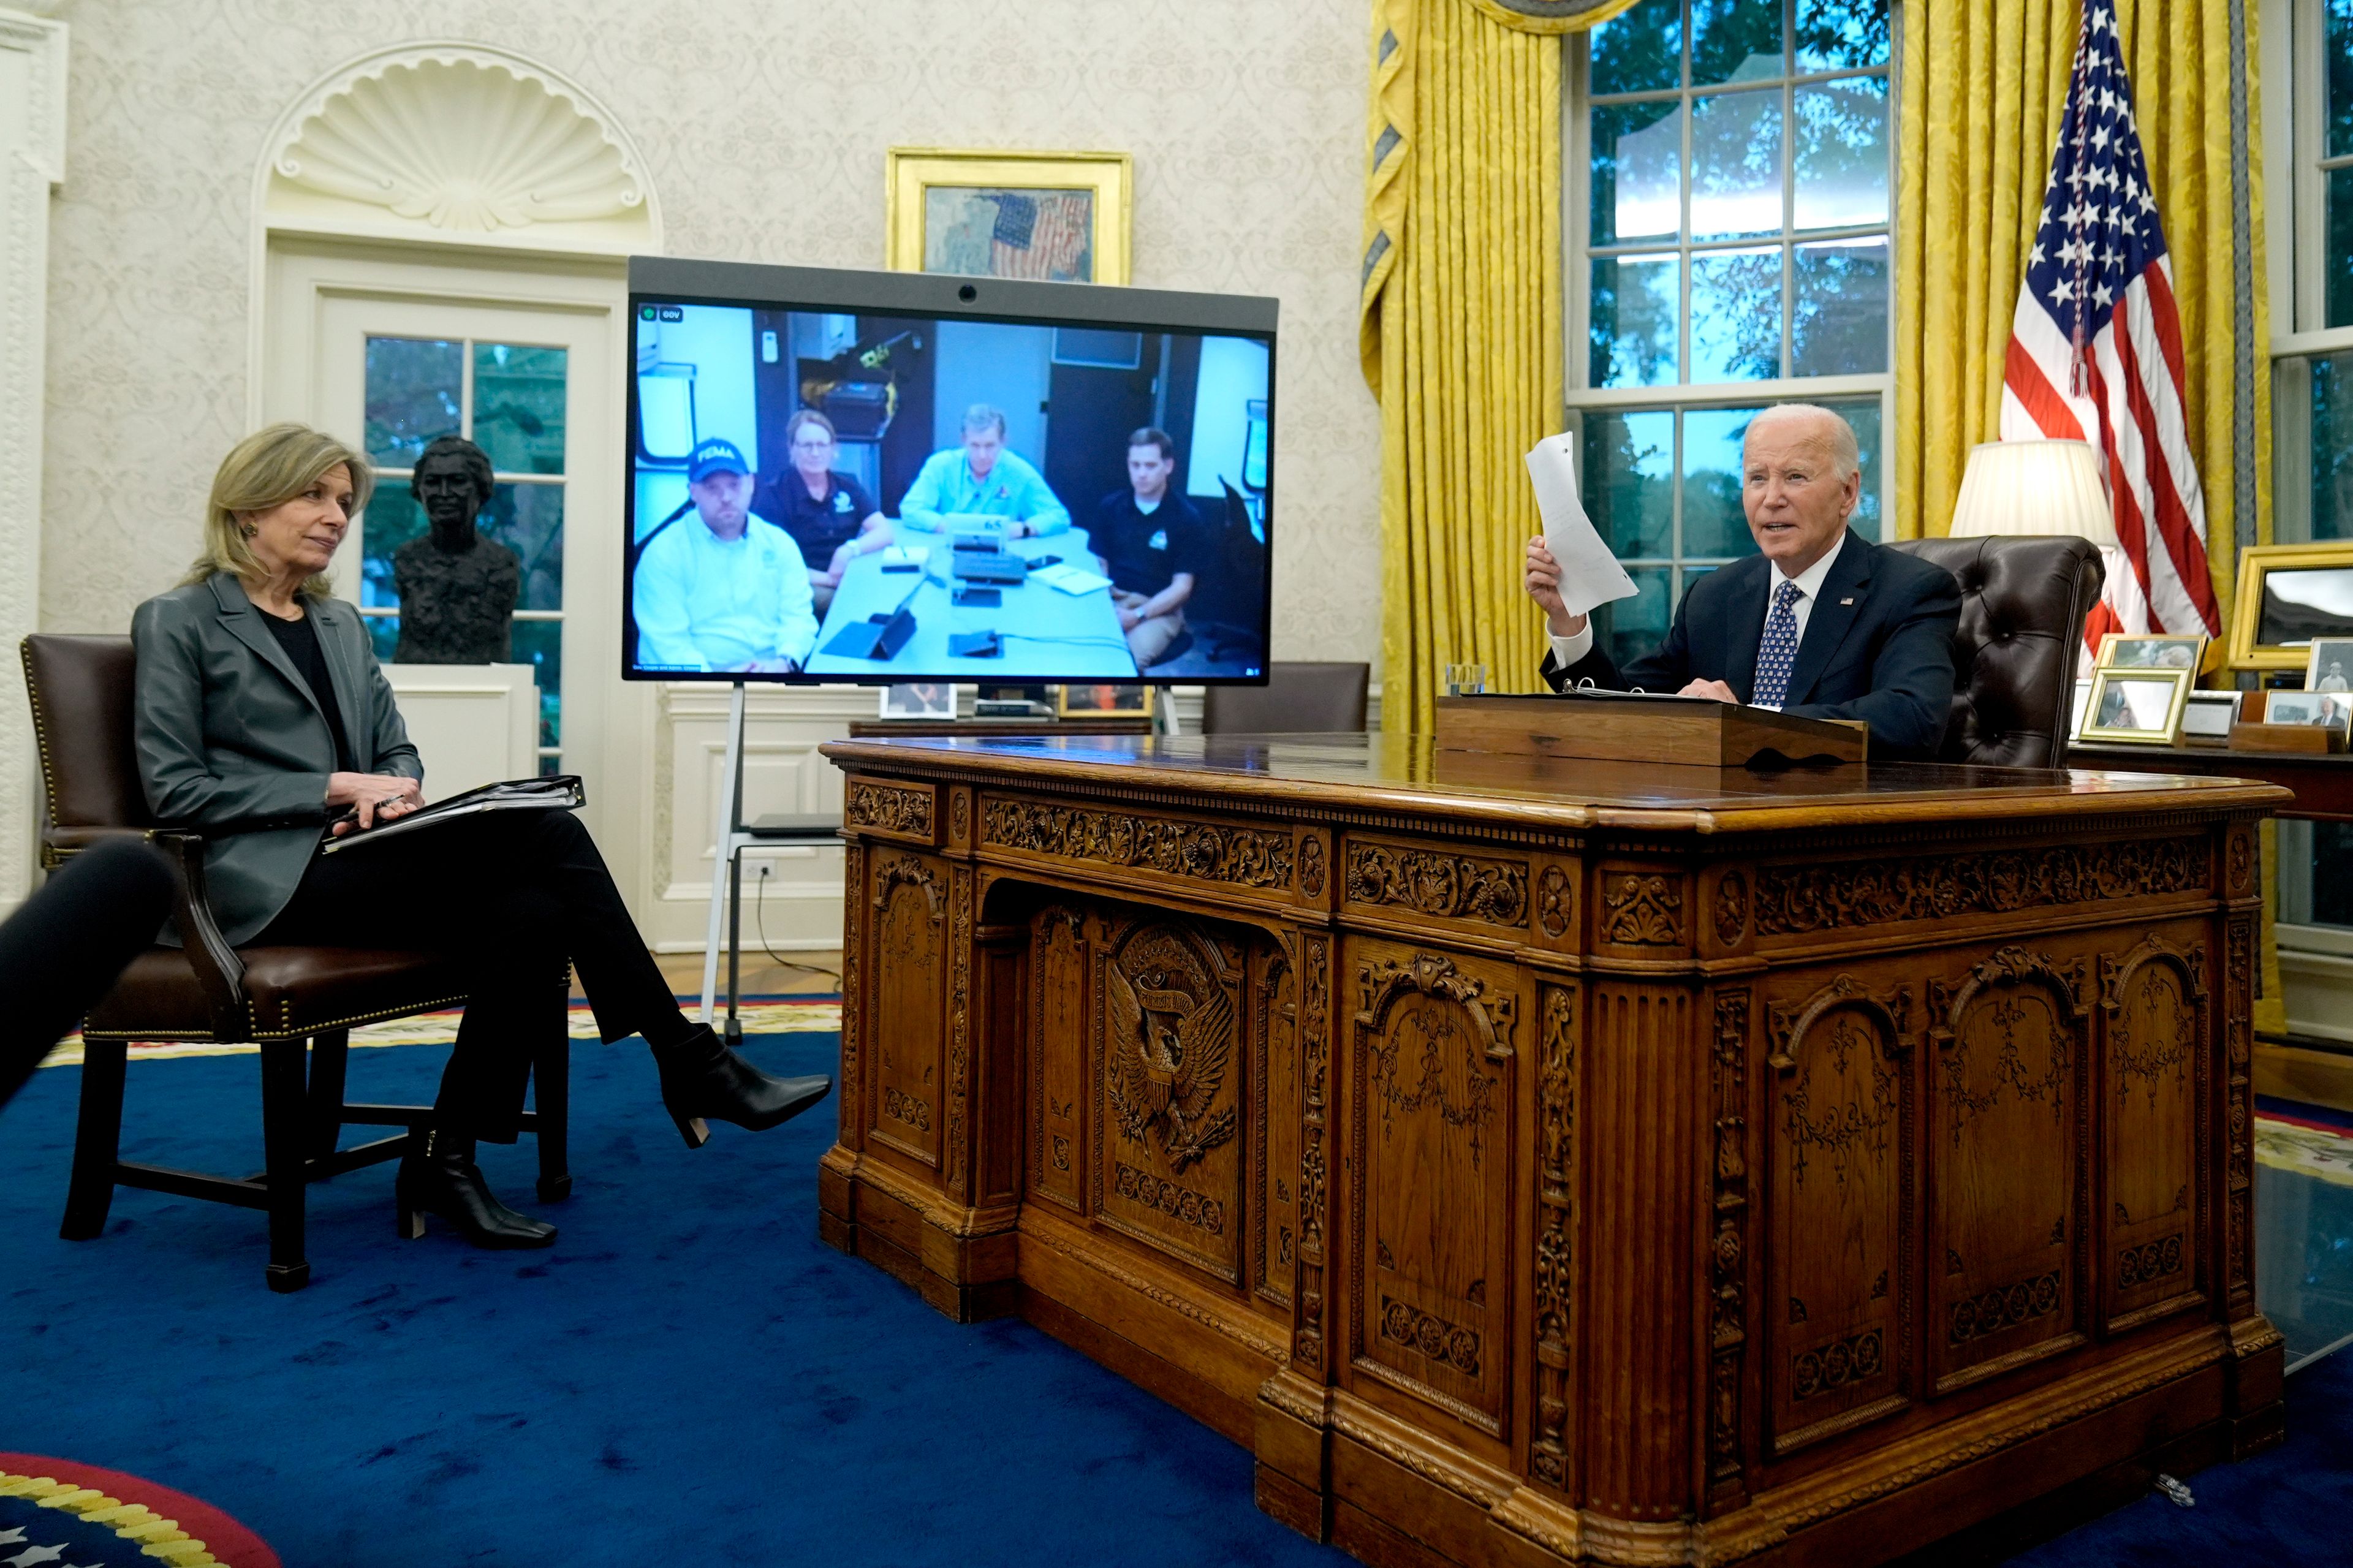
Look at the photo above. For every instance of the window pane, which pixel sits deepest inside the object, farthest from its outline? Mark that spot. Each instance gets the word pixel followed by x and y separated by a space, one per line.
pixel 2340 247
pixel 1642 50
pixel 519 407
pixel 1632 336
pixel 1736 165
pixel 1713 523
pixel 1841 34
pixel 393 518
pixel 1638 159
pixel 541 643
pixel 1736 315
pixel 413 385
pixel 2340 76
pixel 1735 40
pixel 529 521
pixel 1841 174
pixel 1629 629
pixel 1864 415
pixel 1629 481
pixel 2332 446
pixel 1840 325
pixel 384 635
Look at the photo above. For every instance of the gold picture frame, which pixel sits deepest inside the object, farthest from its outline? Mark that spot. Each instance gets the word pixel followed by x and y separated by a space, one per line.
pixel 2331 566
pixel 2156 651
pixel 2119 711
pixel 990 213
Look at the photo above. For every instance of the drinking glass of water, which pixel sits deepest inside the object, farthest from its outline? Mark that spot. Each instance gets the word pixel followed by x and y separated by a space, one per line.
pixel 1466 679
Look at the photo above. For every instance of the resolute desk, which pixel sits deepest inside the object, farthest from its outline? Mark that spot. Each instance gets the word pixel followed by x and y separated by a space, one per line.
pixel 1536 1161
pixel 1044 630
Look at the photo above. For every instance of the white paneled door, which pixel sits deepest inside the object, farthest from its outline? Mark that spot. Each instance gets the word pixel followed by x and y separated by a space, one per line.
pixel 523 361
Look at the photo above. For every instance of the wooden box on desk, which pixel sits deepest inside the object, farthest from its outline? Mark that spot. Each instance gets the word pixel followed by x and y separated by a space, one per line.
pixel 1617 726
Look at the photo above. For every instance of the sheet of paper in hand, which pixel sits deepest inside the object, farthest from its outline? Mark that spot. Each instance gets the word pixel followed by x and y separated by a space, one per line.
pixel 1590 573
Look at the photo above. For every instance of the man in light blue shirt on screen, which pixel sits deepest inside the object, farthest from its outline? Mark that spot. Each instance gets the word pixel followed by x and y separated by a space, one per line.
pixel 724 589
pixel 981 483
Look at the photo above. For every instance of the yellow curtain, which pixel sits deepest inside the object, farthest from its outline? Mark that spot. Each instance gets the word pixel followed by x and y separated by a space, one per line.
pixel 1460 326
pixel 1984 90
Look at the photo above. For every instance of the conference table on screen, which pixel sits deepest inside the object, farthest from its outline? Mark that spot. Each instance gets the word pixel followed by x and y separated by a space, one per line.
pixel 1044 633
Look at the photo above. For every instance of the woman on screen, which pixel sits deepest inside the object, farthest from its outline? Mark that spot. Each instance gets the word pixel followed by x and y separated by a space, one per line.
pixel 262 719
pixel 828 512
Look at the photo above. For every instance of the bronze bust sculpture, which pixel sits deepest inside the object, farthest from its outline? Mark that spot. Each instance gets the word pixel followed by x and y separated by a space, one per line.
pixel 458 590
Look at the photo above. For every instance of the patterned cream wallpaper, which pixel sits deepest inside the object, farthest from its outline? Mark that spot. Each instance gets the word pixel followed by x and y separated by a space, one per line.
pixel 764 122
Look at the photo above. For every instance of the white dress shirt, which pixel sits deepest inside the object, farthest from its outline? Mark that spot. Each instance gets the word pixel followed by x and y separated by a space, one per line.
pixel 708 603
pixel 1567 650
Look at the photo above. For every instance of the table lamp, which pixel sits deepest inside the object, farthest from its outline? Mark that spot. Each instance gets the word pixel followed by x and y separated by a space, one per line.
pixel 2034 487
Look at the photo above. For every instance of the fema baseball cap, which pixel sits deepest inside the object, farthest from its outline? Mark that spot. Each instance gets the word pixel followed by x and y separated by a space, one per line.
pixel 715 456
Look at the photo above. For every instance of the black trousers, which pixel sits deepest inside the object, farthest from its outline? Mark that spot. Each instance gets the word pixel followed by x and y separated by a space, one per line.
pixel 512 895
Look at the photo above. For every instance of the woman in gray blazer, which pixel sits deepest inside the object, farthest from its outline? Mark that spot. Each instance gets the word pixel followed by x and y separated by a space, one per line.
pixel 263 720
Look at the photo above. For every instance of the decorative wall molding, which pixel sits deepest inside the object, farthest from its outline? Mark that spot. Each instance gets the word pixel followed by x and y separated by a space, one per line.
pixel 458 143
pixel 32 163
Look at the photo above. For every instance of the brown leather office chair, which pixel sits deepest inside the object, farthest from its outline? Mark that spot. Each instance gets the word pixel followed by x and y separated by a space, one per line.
pixel 1298 698
pixel 278 998
pixel 2023 600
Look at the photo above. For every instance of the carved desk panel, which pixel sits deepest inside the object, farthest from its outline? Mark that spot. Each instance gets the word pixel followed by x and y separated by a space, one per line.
pixel 1534 1160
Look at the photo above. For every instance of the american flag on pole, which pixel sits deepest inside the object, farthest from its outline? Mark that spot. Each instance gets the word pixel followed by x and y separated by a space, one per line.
pixel 2095 349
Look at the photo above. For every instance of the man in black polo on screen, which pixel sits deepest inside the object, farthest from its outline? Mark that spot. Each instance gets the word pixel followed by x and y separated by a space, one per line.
pixel 1152 546
pixel 1821 623
pixel 828 512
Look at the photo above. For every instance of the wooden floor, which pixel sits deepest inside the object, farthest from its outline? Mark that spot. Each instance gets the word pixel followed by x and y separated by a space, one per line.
pixel 809 974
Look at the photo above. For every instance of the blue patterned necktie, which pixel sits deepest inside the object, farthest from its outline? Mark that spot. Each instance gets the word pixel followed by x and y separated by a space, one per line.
pixel 1779 650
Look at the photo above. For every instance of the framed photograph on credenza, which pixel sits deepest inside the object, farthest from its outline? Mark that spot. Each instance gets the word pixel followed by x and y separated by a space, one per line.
pixel 2206 717
pixel 2161 651
pixel 2329 666
pixel 2291 599
pixel 2330 711
pixel 2136 706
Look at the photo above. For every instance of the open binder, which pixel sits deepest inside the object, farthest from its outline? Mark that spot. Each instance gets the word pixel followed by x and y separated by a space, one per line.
pixel 559 793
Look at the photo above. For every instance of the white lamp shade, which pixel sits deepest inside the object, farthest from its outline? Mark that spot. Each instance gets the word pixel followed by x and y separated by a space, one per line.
pixel 2034 487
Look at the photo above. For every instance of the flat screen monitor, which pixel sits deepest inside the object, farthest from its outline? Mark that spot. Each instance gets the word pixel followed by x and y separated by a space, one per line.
pixel 878 477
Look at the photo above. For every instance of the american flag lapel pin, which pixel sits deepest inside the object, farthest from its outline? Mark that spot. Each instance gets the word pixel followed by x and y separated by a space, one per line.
pixel 1846 601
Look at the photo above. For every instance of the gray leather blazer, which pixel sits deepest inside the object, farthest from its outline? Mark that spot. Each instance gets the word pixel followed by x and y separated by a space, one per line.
pixel 232 743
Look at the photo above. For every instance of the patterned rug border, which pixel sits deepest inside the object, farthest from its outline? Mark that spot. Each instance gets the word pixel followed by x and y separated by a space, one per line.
pixel 810 1015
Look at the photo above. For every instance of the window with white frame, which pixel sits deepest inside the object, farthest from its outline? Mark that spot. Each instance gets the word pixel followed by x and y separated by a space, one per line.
pixel 2311 277
pixel 508 399
pixel 1728 214
pixel 2308 165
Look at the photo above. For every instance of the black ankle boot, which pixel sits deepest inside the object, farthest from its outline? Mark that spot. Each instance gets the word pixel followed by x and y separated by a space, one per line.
pixel 702 1079
pixel 445 1181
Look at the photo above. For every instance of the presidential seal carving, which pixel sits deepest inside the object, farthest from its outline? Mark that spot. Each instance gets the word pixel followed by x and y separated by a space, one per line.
pixel 1169 1028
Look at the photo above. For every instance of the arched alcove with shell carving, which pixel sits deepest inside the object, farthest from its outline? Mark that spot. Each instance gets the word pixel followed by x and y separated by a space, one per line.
pixel 457 143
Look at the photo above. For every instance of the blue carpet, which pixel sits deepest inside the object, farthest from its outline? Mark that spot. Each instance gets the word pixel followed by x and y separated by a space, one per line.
pixel 2289 1506
pixel 688 1376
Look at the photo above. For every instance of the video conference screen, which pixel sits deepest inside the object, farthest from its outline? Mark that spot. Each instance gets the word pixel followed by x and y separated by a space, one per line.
pixel 829 495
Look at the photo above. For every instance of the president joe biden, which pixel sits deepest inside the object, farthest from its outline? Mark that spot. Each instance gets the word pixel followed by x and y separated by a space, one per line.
pixel 1821 623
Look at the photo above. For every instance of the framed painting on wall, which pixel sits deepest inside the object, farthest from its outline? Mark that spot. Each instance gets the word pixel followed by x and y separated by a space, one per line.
pixel 1055 217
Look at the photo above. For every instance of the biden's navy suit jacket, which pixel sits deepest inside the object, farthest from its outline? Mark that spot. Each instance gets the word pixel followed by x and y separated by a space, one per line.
pixel 1878 644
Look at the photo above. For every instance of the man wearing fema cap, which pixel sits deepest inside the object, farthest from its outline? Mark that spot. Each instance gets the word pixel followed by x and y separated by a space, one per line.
pixel 726 589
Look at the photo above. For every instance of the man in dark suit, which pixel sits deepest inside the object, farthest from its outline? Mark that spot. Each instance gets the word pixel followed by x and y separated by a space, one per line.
pixel 1823 624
